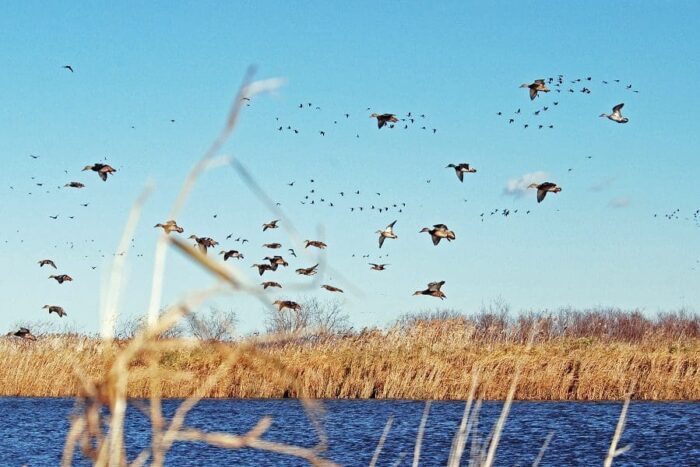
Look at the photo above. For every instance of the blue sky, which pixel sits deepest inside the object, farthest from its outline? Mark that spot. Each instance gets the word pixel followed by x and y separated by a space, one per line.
pixel 459 63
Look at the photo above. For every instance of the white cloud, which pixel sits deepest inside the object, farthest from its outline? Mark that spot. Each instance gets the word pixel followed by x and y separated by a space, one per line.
pixel 517 187
pixel 620 202
pixel 602 184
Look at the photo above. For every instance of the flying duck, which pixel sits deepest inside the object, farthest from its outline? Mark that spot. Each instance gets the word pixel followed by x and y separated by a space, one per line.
pixel 616 115
pixel 276 261
pixel 544 188
pixel 330 288
pixel 273 246
pixel 62 278
pixel 203 243
pixel 461 169
pixel 386 233
pixel 231 254
pixel 102 170
pixel 307 271
pixel 47 262
pixel 56 309
pixel 23 333
pixel 438 232
pixel 537 86
pixel 316 243
pixel 263 267
pixel 271 284
pixel 282 304
pixel 382 119
pixel 271 225
pixel 433 290
pixel 74 185
pixel 378 267
pixel 170 226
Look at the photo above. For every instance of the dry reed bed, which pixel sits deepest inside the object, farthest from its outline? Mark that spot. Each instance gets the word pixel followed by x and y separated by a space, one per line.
pixel 422 363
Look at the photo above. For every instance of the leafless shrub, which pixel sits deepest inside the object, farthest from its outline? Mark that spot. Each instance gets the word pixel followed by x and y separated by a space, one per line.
pixel 320 317
pixel 492 321
pixel 217 325
pixel 129 327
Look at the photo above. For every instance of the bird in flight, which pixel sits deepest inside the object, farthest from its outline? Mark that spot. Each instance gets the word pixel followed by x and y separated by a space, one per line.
pixel 461 169
pixel 330 288
pixel 203 243
pixel 68 67
pixel 315 243
pixel 282 304
pixel 616 115
pixel 47 262
pixel 170 226
pixel 231 254
pixel 382 119
pixel 62 278
pixel 23 333
pixel 271 224
pixel 388 232
pixel 537 86
pixel 433 290
pixel 102 170
pixel 438 232
pixel 56 309
pixel 310 271
pixel 544 188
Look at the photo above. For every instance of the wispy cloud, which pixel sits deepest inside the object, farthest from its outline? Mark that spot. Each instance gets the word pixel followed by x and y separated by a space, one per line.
pixel 517 187
pixel 602 184
pixel 620 202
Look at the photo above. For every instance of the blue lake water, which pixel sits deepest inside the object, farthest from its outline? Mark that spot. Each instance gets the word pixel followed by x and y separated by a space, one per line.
pixel 32 432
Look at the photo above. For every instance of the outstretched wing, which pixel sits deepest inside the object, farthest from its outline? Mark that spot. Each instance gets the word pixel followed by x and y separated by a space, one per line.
pixel 436 239
pixel 533 93
pixel 381 240
pixel 540 195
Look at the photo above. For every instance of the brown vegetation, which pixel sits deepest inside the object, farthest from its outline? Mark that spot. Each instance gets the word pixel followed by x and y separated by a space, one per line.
pixel 590 355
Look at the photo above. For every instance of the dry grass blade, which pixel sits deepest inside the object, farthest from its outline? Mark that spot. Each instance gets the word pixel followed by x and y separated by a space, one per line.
pixel 178 419
pixel 475 454
pixel 613 451
pixel 116 437
pixel 421 432
pixel 380 444
pixel 543 449
pixel 252 440
pixel 462 434
pixel 109 310
pixel 207 263
pixel 246 90
pixel 74 433
pixel 495 438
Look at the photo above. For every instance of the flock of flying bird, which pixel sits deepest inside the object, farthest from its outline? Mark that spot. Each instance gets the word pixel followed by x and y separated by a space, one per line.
pixel 271 263
pixel 559 85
